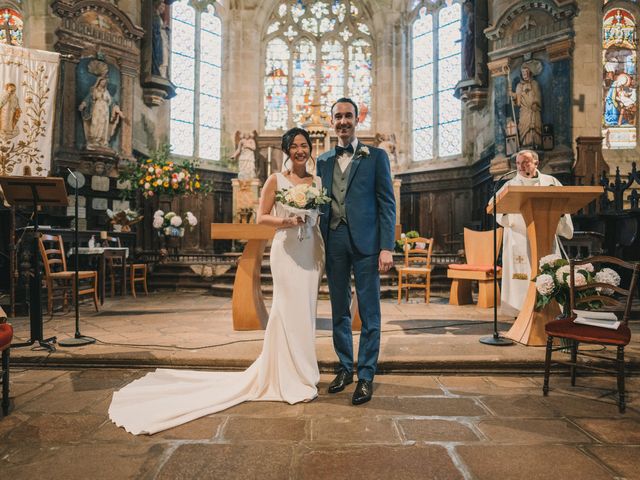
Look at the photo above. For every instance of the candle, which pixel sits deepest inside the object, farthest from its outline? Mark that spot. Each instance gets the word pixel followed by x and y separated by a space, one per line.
pixel 103 235
pixel 269 161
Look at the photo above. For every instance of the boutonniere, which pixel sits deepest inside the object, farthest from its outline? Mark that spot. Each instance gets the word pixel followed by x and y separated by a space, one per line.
pixel 364 151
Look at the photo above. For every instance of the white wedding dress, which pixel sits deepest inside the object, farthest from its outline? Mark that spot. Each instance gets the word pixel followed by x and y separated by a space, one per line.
pixel 286 370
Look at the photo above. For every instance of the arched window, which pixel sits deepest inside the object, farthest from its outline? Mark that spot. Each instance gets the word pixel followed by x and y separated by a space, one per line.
pixel 11 26
pixel 196 69
pixel 436 69
pixel 619 79
pixel 316 51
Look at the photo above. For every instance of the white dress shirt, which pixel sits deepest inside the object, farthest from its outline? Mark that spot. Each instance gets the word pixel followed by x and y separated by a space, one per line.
pixel 345 159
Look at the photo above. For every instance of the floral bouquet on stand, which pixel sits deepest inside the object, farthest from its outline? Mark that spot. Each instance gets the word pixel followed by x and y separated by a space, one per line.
pixel 160 175
pixel 552 283
pixel 303 201
pixel 123 219
pixel 171 224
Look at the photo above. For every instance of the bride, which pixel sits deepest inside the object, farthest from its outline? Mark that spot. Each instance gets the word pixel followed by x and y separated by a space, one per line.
pixel 287 368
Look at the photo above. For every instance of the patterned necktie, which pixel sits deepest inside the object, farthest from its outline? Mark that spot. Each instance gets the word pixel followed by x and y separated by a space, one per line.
pixel 342 150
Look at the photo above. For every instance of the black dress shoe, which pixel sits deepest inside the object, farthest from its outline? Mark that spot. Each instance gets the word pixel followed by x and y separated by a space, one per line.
pixel 342 380
pixel 363 393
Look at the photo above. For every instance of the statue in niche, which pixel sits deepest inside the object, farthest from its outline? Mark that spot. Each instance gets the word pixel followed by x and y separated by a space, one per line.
pixel 246 154
pixel 100 115
pixel 468 40
pixel 160 41
pixel 387 142
pixel 529 99
pixel 9 112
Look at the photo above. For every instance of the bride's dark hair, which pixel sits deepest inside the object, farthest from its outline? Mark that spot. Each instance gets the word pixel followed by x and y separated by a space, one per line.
pixel 289 136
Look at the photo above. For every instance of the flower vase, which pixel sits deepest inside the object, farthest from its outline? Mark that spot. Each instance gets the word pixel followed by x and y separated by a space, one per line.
pixel 565 343
pixel 172 244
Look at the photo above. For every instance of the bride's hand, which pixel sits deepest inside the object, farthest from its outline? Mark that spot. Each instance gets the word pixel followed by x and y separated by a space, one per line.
pixel 292 221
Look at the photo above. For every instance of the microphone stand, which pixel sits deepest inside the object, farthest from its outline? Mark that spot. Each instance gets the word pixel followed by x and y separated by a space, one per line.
pixel 496 340
pixel 78 340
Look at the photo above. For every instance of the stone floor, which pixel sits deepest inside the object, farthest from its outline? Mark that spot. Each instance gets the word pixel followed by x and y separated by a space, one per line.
pixel 416 427
pixel 469 411
pixel 194 329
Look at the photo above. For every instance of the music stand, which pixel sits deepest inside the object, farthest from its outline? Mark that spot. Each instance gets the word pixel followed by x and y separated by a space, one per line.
pixel 35 191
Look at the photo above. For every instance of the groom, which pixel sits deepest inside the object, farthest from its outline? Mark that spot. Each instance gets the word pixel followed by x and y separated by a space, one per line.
pixel 358 229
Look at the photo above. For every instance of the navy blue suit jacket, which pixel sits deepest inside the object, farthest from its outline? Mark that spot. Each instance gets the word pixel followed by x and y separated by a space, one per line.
pixel 370 204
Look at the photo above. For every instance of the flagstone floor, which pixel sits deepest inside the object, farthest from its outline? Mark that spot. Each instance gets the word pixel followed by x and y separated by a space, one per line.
pixel 468 411
pixel 416 427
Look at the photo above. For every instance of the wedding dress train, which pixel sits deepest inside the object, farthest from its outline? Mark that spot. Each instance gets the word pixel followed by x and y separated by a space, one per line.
pixel 286 370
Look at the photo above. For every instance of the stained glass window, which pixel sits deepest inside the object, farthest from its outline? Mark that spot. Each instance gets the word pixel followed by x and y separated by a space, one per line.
pixel 11 26
pixel 436 69
pixel 619 79
pixel 328 48
pixel 196 70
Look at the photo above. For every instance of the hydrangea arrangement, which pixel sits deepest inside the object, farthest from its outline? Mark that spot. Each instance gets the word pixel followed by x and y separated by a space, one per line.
pixel 552 283
pixel 172 224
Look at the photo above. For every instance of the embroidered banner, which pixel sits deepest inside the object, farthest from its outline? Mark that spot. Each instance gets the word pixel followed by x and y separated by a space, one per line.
pixel 28 84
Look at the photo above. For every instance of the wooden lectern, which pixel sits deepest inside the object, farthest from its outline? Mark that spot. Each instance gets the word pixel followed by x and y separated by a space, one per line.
pixel 541 208
pixel 247 303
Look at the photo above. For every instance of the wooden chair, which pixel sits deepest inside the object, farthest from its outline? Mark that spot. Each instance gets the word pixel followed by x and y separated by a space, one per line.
pixel 478 250
pixel 6 335
pixel 56 275
pixel 417 262
pixel 619 303
pixel 137 272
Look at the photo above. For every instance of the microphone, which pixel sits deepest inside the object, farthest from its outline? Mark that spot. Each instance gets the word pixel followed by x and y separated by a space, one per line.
pixel 506 174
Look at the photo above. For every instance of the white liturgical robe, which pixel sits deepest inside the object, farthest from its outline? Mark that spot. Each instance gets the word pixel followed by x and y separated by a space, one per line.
pixel 516 268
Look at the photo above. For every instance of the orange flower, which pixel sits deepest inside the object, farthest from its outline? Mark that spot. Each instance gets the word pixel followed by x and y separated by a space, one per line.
pixel 175 185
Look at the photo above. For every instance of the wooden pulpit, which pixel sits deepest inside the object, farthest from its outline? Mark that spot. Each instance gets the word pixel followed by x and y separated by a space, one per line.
pixel 541 208
pixel 247 303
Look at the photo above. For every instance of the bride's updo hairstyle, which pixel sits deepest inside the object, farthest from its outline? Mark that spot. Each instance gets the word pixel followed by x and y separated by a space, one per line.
pixel 288 138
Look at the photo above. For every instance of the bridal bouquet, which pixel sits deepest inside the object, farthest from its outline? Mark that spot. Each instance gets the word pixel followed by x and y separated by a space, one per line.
pixel 303 201
pixel 552 283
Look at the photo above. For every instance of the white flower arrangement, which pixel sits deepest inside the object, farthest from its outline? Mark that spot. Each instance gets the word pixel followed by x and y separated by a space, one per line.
pixel 545 284
pixel 549 260
pixel 552 283
pixel 609 276
pixel 303 200
pixel 364 150
pixel 171 224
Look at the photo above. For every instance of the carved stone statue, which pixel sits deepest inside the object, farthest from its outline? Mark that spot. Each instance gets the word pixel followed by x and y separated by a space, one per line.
pixel 528 97
pixel 160 41
pixel 246 154
pixel 468 31
pixel 387 142
pixel 100 115
pixel 9 112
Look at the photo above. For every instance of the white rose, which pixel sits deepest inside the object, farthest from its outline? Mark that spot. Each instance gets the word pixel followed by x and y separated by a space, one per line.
pixel 147 185
pixel 157 222
pixel 176 221
pixel 549 259
pixel 314 191
pixel 299 198
pixel 151 170
pixel 180 175
pixel 364 150
pixel 544 284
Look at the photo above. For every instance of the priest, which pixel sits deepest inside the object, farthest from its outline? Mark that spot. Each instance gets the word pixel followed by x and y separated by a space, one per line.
pixel 516 267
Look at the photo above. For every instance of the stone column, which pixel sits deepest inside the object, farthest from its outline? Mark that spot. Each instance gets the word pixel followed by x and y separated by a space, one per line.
pixel 499 69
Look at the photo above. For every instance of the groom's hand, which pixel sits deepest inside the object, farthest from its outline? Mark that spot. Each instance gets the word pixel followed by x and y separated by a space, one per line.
pixel 385 261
